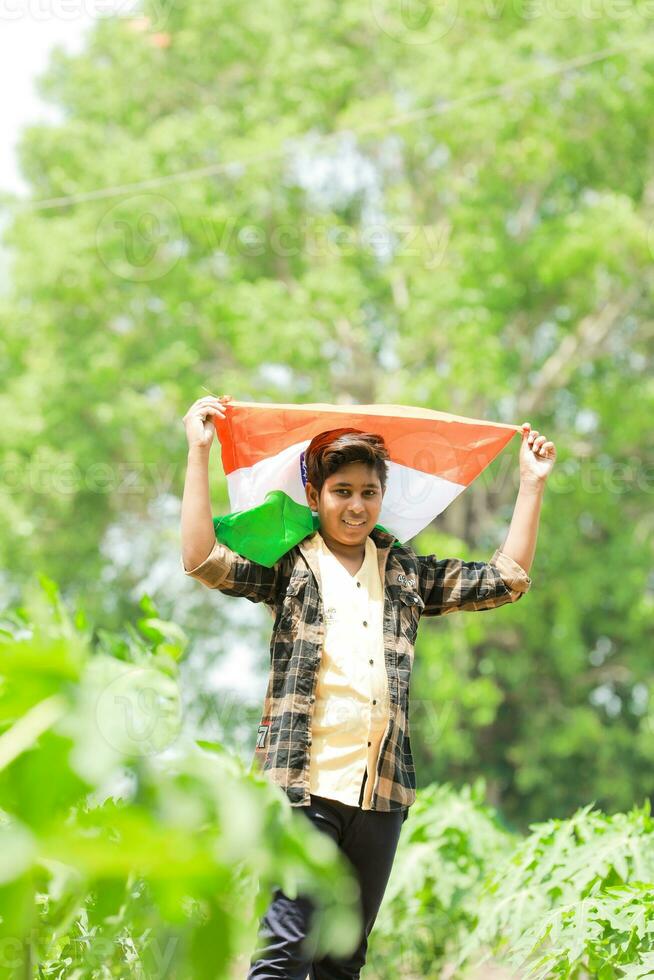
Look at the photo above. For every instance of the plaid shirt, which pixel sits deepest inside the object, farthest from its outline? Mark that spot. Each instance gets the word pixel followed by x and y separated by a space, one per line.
pixel 414 586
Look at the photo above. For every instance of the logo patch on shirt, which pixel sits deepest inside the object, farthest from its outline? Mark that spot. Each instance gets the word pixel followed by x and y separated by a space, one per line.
pixel 403 580
pixel 262 731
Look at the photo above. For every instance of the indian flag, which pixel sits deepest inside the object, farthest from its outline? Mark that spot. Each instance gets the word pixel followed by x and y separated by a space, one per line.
pixel 434 456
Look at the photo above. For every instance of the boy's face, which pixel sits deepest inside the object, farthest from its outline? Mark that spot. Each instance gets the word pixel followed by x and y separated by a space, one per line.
pixel 349 504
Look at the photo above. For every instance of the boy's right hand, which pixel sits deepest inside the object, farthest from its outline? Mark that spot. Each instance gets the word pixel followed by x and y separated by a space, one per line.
pixel 198 421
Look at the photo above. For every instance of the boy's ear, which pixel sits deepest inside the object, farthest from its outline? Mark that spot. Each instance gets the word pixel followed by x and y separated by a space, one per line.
pixel 312 496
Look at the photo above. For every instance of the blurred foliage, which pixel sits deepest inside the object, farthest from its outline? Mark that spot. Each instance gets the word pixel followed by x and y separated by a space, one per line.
pixel 574 899
pixel 423 209
pixel 127 849
pixel 448 845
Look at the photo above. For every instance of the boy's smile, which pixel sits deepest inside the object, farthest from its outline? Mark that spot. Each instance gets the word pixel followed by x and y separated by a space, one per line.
pixel 348 507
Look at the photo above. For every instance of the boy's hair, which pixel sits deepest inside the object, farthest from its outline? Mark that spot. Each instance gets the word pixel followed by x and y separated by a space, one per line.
pixel 330 450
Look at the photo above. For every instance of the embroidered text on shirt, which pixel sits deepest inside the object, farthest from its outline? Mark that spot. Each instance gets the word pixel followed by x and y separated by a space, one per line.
pixel 330 616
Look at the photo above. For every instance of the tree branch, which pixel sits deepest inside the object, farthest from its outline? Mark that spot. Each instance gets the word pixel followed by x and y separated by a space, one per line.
pixel 585 343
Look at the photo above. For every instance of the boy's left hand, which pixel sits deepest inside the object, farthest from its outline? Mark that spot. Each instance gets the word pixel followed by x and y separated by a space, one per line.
pixel 537 456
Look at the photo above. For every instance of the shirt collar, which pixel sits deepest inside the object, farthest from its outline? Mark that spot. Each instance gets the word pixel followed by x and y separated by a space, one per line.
pixel 309 548
pixel 382 539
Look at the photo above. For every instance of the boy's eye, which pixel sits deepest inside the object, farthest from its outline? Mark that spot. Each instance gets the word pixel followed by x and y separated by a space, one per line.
pixel 343 490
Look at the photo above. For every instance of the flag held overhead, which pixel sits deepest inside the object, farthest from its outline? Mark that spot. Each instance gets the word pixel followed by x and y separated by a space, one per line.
pixel 434 456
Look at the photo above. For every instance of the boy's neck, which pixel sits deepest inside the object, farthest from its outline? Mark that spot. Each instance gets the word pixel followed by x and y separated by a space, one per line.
pixel 347 553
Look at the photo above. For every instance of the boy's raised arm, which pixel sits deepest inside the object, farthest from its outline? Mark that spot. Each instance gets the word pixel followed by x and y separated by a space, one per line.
pixel 450 584
pixel 198 535
pixel 203 557
pixel 537 457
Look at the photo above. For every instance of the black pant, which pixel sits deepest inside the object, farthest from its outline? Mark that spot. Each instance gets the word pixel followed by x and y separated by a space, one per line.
pixel 369 839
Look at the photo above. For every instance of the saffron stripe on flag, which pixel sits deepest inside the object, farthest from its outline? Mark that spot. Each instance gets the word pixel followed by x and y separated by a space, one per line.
pixel 450 446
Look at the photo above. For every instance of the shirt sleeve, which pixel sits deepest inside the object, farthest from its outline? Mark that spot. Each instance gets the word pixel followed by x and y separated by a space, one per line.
pixel 235 575
pixel 450 584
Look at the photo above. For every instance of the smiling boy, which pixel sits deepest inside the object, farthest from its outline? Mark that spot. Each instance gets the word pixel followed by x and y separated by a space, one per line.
pixel 347 601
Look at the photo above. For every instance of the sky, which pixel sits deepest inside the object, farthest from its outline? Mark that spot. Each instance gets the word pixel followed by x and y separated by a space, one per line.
pixel 29 29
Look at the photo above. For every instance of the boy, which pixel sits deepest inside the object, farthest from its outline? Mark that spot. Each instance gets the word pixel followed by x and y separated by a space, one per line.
pixel 347 602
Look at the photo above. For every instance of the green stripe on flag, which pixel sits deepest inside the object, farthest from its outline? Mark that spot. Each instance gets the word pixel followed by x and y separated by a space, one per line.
pixel 265 533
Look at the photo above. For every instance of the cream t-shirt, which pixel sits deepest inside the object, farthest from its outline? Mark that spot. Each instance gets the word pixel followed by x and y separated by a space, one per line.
pixel 351 711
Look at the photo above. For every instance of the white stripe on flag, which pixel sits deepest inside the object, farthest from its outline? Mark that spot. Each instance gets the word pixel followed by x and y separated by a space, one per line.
pixel 249 485
pixel 411 501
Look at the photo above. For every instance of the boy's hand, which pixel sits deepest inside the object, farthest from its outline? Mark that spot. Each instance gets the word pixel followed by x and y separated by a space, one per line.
pixel 537 456
pixel 198 421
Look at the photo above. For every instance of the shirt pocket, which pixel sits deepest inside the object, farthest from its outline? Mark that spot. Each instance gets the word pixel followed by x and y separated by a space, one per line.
pixel 292 602
pixel 410 609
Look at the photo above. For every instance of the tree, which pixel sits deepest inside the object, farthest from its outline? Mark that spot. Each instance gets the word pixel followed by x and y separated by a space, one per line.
pixel 452 211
